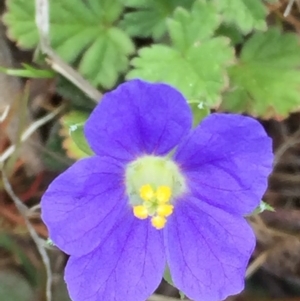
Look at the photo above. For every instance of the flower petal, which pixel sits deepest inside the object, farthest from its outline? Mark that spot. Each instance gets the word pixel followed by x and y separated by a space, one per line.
pixel 138 118
pixel 81 205
pixel 128 265
pixel 226 161
pixel 207 250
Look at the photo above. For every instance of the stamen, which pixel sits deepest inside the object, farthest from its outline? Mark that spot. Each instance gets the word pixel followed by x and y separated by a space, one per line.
pixel 165 210
pixel 154 203
pixel 146 192
pixel 158 222
pixel 163 194
pixel 140 212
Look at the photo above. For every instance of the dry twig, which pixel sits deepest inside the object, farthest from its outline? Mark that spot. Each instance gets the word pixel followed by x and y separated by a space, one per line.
pixel 31 129
pixel 256 264
pixel 288 8
pixel 38 242
pixel 56 63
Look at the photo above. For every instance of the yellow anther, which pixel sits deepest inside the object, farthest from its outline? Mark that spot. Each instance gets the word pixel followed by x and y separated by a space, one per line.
pixel 158 222
pixel 163 194
pixel 140 212
pixel 146 192
pixel 165 210
pixel 155 205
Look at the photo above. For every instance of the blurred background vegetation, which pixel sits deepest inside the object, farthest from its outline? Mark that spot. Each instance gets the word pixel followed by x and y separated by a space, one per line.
pixel 238 56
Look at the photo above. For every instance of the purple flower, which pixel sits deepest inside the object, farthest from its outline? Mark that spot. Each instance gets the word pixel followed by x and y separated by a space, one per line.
pixel 158 193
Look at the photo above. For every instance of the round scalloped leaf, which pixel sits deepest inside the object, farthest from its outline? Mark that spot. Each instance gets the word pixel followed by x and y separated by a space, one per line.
pixel 19 19
pixel 149 17
pixel 82 33
pixel 266 81
pixel 200 74
pixel 187 28
pixel 197 63
pixel 245 14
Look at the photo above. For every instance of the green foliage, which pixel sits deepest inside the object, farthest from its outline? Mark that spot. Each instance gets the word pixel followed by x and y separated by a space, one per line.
pixel 266 80
pixel 200 111
pixel 55 157
pixel 78 99
pixel 20 23
pixel 189 44
pixel 10 245
pixel 189 28
pixel 77 135
pixel 50 242
pixel 168 278
pixel 149 17
pixel 14 286
pixel 77 145
pixel 263 206
pixel 196 63
pixel 81 32
pixel 232 32
pixel 29 72
pixel 246 15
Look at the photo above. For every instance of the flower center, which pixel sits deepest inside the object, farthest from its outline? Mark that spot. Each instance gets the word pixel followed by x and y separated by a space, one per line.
pixel 152 184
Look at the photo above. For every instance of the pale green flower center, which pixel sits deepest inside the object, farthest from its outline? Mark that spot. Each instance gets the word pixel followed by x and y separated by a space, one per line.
pixel 152 184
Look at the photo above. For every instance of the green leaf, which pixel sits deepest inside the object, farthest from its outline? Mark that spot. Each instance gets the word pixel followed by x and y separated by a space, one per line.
pixel 14 286
pixel 75 122
pixel 82 33
pixel 200 111
pixel 196 64
pixel 54 156
pixel 199 73
pixel 272 1
pixel 74 117
pixel 20 23
pixel 79 101
pixel 9 244
pixel 246 15
pixel 263 206
pixel 29 72
pixel 50 242
pixel 189 28
pixel 232 32
pixel 168 278
pixel 266 80
pixel 77 134
pixel 149 18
